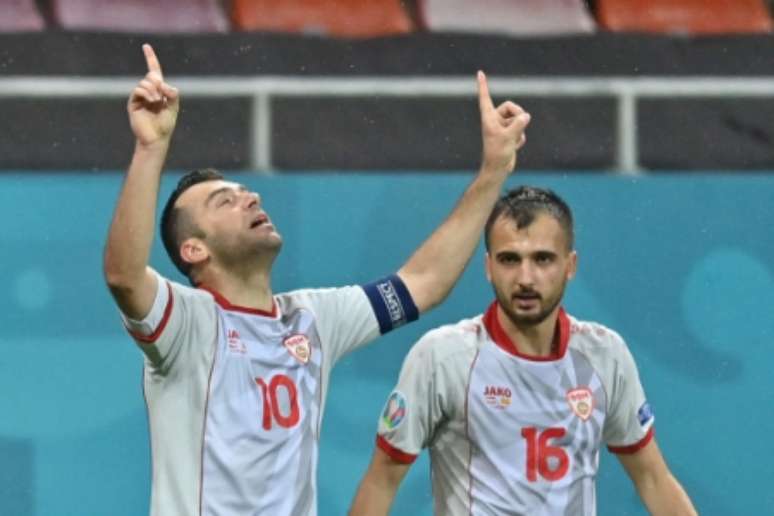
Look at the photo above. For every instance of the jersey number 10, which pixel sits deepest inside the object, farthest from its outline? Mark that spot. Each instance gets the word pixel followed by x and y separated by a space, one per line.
pixel 540 453
pixel 271 406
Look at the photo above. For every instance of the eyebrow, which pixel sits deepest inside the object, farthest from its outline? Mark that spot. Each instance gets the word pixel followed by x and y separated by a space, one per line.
pixel 539 252
pixel 222 189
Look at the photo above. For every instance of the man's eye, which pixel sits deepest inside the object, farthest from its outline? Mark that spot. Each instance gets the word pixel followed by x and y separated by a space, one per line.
pixel 225 201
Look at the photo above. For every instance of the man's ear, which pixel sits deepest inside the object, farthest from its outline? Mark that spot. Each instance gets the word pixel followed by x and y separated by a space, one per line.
pixel 488 267
pixel 572 268
pixel 193 251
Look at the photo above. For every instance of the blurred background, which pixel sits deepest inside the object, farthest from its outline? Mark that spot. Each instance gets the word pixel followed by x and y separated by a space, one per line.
pixel 357 121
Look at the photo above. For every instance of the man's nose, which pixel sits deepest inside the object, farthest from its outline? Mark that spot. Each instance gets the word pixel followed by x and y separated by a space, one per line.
pixel 526 274
pixel 252 199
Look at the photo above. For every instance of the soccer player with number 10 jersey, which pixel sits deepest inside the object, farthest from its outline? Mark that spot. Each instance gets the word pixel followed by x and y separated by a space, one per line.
pixel 235 376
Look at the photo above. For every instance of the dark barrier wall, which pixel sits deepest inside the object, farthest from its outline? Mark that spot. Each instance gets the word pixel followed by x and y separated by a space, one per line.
pixel 682 266
pixel 391 133
pixel 244 54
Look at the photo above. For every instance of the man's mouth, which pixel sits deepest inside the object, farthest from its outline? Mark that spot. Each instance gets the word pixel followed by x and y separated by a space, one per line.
pixel 526 300
pixel 259 221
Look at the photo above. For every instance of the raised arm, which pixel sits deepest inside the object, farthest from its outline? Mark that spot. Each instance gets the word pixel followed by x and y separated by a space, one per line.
pixel 433 269
pixel 379 485
pixel 153 107
pixel 659 490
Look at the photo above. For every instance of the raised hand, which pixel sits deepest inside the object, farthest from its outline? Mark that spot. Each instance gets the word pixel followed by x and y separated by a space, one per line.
pixel 153 104
pixel 502 130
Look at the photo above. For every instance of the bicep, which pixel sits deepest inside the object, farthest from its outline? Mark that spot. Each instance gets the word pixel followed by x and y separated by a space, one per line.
pixel 135 301
pixel 387 471
pixel 645 465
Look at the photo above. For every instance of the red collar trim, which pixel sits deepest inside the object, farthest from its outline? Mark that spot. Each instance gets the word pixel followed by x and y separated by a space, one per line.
pixel 226 305
pixel 498 335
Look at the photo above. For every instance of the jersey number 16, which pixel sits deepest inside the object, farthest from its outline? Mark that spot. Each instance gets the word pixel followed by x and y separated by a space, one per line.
pixel 540 453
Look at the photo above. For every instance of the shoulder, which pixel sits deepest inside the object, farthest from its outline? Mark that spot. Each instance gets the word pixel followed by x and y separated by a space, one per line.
pixel 597 340
pixel 314 294
pixel 450 342
pixel 313 297
pixel 187 294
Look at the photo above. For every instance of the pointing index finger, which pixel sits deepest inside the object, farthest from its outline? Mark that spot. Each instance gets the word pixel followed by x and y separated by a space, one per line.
pixel 151 60
pixel 484 99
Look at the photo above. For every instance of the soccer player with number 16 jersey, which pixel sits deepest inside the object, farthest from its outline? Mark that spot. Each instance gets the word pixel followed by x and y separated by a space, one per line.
pixel 515 403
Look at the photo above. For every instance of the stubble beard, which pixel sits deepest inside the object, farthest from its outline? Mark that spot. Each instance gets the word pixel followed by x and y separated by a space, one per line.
pixel 237 255
pixel 528 321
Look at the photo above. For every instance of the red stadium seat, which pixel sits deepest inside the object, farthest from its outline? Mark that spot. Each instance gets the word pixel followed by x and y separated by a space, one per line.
pixel 140 15
pixel 684 16
pixel 518 17
pixel 342 18
pixel 20 16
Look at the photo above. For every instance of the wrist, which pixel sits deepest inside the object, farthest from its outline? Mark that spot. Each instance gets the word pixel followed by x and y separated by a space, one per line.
pixel 493 172
pixel 160 145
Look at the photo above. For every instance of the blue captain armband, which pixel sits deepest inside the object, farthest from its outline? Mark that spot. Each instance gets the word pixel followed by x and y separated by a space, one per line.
pixel 392 303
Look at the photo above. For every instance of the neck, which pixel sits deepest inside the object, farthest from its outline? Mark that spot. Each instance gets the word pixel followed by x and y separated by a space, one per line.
pixel 534 339
pixel 247 289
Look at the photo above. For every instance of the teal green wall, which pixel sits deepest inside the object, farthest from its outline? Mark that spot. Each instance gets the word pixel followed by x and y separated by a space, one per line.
pixel 682 267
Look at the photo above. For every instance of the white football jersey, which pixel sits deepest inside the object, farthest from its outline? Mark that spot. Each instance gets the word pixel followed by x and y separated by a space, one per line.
pixel 235 396
pixel 510 434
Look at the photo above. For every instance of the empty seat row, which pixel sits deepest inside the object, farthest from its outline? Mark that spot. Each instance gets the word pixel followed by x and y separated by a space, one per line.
pixel 358 18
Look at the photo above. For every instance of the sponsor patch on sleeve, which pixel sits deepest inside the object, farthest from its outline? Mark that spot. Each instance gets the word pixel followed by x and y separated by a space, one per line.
pixel 645 414
pixel 394 411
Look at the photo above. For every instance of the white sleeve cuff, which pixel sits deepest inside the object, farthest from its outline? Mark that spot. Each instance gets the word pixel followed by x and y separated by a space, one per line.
pixel 150 322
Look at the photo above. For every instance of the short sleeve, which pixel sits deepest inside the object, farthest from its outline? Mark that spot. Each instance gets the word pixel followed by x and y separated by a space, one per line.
pixel 414 408
pixel 343 317
pixel 180 318
pixel 629 423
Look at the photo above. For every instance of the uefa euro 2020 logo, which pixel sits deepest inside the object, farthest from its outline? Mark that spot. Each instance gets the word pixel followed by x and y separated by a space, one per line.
pixel 394 410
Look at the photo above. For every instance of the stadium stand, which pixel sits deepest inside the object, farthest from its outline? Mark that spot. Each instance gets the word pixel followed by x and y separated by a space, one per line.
pixel 145 16
pixel 526 17
pixel 684 16
pixel 20 16
pixel 339 18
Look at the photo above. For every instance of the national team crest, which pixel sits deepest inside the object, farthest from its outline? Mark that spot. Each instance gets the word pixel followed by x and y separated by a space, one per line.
pixel 394 410
pixel 581 402
pixel 298 346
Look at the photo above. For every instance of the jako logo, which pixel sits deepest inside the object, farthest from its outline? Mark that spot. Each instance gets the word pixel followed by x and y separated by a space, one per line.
pixel 235 344
pixel 499 397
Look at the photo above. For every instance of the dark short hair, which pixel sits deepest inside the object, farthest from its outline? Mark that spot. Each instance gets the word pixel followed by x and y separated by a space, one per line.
pixel 524 203
pixel 176 224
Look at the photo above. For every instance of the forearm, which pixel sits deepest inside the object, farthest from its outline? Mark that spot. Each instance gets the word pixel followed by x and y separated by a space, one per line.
pixel 433 269
pixel 131 232
pixel 665 497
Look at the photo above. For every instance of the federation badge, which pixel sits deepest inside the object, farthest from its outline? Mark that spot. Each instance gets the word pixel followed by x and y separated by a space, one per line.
pixel 298 346
pixel 394 410
pixel 581 402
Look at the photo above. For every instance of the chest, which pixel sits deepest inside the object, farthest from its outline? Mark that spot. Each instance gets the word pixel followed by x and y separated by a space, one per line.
pixel 514 403
pixel 267 371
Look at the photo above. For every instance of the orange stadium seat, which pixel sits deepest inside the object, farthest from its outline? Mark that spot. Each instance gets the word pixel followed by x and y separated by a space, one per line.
pixel 343 18
pixel 140 15
pixel 518 17
pixel 684 16
pixel 20 16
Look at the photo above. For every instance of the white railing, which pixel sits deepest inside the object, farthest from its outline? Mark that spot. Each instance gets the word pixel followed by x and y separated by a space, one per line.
pixel 626 91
